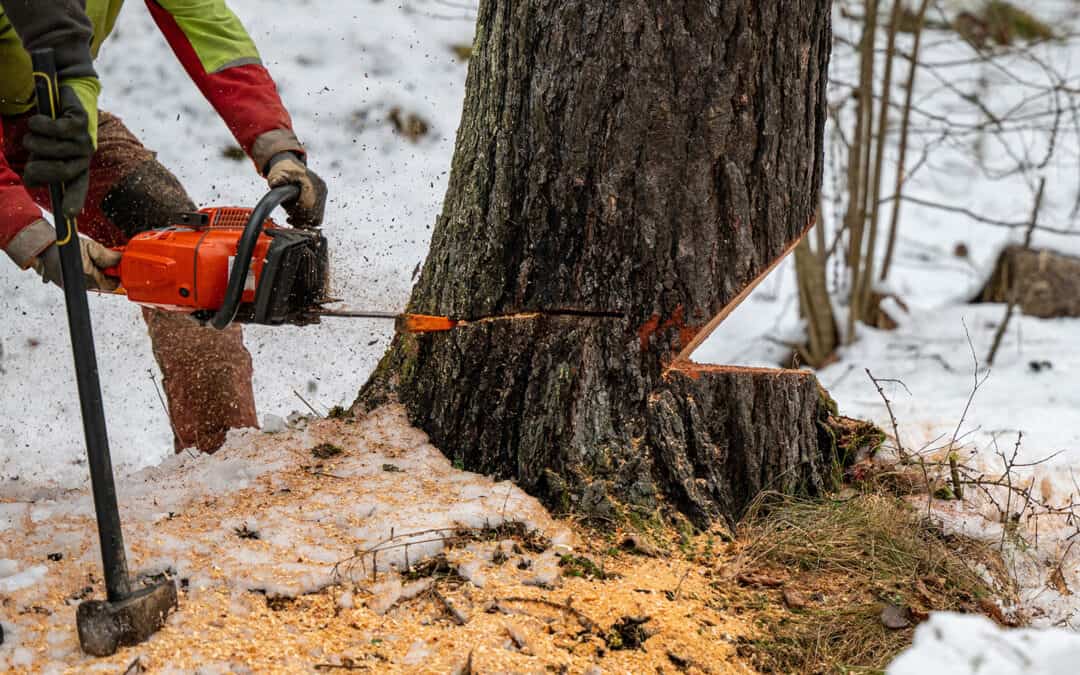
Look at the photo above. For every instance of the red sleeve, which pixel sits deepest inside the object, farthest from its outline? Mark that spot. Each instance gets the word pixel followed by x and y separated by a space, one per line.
pixel 17 208
pixel 245 95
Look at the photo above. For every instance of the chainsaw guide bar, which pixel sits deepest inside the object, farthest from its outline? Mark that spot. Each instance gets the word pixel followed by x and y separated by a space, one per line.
pixel 228 265
pixel 424 323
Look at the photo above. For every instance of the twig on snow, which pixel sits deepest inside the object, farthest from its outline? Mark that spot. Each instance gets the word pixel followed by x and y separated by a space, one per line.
pixel 455 613
pixel 958 488
pixel 888 406
pixel 1014 292
pixel 164 407
pixel 309 406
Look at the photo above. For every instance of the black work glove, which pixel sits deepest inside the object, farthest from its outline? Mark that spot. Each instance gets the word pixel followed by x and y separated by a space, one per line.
pixel 306 211
pixel 60 151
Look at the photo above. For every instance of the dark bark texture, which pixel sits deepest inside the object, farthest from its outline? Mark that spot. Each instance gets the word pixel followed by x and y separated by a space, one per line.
pixel 644 158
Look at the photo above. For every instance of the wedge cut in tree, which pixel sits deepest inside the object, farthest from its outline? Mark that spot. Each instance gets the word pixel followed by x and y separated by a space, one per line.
pixel 624 173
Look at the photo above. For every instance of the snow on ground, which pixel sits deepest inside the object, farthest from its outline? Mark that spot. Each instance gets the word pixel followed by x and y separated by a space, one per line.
pixel 1032 386
pixel 968 645
pixel 341 66
pixel 264 514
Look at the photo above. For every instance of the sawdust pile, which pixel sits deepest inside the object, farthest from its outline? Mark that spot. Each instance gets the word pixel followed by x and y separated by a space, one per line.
pixel 355 546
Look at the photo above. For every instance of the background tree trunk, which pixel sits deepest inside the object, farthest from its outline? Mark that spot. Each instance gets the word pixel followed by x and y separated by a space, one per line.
pixel 650 159
pixel 815 304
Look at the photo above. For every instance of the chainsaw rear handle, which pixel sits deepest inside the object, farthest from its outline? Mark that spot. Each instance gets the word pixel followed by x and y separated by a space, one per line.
pixel 245 249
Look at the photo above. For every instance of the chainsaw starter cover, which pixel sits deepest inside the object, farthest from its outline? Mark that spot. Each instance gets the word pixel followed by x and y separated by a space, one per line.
pixel 186 268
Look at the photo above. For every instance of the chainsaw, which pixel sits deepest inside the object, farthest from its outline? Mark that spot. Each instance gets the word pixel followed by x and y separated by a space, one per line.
pixel 226 265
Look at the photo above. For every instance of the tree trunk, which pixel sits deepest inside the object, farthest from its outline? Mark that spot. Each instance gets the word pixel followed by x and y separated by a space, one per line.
pixel 624 173
pixel 815 304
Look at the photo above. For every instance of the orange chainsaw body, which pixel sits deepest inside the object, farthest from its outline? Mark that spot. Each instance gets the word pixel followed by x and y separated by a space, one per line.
pixel 186 267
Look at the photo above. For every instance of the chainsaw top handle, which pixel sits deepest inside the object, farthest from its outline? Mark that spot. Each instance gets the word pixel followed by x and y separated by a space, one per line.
pixel 245 249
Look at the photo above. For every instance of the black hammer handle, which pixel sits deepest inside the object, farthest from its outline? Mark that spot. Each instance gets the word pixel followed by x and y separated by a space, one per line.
pixel 117 584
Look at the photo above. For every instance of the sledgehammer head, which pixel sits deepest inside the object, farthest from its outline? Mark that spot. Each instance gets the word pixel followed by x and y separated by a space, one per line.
pixel 106 626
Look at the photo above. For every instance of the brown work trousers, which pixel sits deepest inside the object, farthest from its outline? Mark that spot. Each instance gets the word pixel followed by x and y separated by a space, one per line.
pixel 206 373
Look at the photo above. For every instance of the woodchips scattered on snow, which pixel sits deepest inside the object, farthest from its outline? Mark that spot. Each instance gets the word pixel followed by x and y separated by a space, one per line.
pixel 254 536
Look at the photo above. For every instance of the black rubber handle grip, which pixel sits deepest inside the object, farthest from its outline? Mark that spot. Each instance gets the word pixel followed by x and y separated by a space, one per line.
pixel 46 86
pixel 245 249
pixel 47 93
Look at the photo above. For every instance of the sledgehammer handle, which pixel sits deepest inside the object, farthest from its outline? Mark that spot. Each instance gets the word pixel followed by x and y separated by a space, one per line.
pixel 47 89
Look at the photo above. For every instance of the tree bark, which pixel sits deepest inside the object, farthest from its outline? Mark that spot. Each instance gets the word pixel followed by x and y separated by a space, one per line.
pixel 624 172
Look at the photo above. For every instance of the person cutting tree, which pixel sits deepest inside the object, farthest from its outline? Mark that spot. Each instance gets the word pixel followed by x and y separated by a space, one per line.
pixel 117 188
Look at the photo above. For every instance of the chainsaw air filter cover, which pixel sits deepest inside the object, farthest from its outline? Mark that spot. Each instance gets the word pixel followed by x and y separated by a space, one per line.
pixel 186 268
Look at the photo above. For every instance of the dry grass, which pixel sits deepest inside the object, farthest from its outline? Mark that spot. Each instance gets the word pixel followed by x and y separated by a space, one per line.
pixel 855 558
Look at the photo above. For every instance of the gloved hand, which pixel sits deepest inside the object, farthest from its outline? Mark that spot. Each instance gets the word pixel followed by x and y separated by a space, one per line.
pixel 306 211
pixel 60 151
pixel 95 259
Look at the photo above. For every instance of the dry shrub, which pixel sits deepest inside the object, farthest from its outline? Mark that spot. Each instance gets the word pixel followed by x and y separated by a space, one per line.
pixel 408 124
pixel 857 557
pixel 1008 23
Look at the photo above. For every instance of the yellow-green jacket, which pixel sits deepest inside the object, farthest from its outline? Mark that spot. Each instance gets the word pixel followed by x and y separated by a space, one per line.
pixel 207 38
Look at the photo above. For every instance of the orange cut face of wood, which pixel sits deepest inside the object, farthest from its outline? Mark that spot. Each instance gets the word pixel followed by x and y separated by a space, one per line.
pixel 422 323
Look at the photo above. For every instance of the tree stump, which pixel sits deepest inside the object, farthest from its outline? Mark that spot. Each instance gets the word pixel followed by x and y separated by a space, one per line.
pixel 1046 283
pixel 624 174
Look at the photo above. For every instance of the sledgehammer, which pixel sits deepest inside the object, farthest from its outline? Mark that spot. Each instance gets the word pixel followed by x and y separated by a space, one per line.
pixel 127 616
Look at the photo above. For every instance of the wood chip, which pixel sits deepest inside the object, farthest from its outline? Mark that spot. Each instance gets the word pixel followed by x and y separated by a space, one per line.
pixel 1057 582
pixel 794 599
pixel 924 593
pixel 991 609
pixel 684 663
pixel 586 623
pixel 316 633
pixel 494 607
pixel 680 662
pixel 517 636
pixel 458 616
pixel 638 544
pixel 759 579
pixel 466 667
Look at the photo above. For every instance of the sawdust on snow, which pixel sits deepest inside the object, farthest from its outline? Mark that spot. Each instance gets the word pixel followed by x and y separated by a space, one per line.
pixel 273 549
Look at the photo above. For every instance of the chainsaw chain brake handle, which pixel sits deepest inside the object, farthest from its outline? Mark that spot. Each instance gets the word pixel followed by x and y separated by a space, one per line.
pixel 245 249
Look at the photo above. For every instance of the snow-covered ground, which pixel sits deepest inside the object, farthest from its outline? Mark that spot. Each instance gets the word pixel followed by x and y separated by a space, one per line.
pixel 973 645
pixel 343 64
pixel 1032 386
